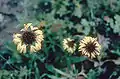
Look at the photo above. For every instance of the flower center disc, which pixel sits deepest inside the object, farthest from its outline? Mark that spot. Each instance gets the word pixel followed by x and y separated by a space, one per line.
pixel 71 44
pixel 90 47
pixel 28 37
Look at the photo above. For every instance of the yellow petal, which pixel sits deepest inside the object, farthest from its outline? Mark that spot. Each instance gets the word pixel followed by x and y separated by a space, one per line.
pixel 74 46
pixel 81 45
pixel 98 49
pixel 32 48
pixel 93 55
pixel 87 39
pixel 37 46
pixel 39 40
pixel 23 49
pixel 17 40
pixel 98 46
pixel 97 53
pixel 33 28
pixel 65 41
pixel 69 39
pixel 22 30
pixel 40 36
pixel 70 50
pixel 84 41
pixel 38 32
pixel 96 39
pixel 19 46
pixel 84 52
pixel 26 26
pixel 16 35
pixel 88 54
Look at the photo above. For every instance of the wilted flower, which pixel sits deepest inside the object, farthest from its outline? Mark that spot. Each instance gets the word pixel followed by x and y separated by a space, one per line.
pixel 42 24
pixel 30 38
pixel 89 47
pixel 69 45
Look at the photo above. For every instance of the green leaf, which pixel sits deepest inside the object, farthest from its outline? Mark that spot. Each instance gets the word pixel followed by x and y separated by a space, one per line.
pixel 77 59
pixel 78 12
pixel 92 74
pixel 49 68
pixel 68 63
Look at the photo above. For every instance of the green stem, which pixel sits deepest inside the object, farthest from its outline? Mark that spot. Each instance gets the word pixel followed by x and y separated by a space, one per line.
pixel 62 73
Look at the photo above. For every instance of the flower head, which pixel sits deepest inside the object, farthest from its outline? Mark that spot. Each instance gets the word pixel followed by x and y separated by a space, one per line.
pixel 69 45
pixel 89 47
pixel 30 37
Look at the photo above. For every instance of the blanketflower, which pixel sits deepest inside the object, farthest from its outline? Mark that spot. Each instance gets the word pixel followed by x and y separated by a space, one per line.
pixel 29 38
pixel 69 45
pixel 89 47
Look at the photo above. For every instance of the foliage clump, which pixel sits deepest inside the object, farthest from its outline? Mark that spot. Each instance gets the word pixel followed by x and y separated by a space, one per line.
pixel 60 19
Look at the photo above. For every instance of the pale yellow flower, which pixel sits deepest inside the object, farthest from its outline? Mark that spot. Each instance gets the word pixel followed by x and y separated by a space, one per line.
pixel 30 38
pixel 69 45
pixel 89 47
